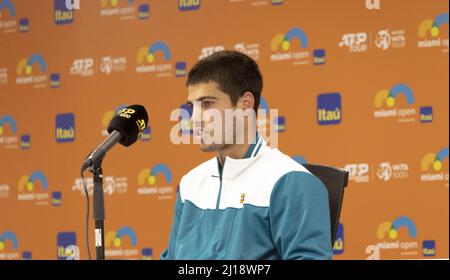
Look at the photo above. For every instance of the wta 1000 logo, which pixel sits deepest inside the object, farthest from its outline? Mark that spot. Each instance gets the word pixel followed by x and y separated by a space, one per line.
pixel 154 59
pixel 156 181
pixel 431 33
pixel 293 46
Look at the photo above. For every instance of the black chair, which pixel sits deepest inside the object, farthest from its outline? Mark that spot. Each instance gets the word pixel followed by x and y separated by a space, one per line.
pixel 335 180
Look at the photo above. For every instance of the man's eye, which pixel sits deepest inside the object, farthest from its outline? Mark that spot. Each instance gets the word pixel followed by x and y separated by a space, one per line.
pixel 207 103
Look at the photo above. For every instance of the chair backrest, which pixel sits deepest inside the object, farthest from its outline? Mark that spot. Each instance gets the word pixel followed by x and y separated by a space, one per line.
pixel 335 180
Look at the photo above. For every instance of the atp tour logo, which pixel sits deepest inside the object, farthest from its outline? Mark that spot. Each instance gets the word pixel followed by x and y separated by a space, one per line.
pixel 148 57
pixel 358 172
pixel 34 187
pixel 156 181
pixel 65 128
pixel 329 109
pixel 9 246
pixel 121 243
pixel 123 9
pixel 355 42
pixel 389 103
pixel 66 246
pixel 33 70
pixel 107 117
pixel 188 5
pixel 8 21
pixel 432 167
pixel 338 246
pixel 431 33
pixel 293 46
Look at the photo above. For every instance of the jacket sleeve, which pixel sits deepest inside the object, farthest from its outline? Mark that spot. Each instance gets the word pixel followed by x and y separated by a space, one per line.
pixel 169 253
pixel 300 218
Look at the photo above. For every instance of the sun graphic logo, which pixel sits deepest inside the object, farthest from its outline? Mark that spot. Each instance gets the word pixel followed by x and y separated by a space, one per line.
pixel 434 159
pixel 8 245
pixel 432 165
pixel 149 183
pixel 7 5
pixel 25 66
pixel 28 183
pixel 9 121
pixel 285 40
pixel 433 27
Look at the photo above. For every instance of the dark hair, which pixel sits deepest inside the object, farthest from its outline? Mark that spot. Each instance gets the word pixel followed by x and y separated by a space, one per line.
pixel 234 72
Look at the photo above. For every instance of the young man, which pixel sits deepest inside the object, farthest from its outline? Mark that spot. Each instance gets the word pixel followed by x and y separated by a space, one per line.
pixel 250 201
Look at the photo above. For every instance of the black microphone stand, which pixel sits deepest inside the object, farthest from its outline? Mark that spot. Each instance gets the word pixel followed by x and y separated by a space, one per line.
pixel 99 209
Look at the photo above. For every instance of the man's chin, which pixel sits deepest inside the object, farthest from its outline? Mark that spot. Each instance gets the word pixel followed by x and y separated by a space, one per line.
pixel 210 147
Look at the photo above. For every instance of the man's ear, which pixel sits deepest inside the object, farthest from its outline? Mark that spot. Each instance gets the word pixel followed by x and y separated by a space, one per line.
pixel 247 101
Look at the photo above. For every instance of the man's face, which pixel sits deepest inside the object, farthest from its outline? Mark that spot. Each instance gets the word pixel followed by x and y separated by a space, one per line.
pixel 207 100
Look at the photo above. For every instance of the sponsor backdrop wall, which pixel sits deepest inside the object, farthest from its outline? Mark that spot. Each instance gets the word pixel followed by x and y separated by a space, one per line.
pixel 361 85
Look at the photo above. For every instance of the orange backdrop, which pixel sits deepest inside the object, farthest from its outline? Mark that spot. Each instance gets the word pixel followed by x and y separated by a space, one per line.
pixel 359 84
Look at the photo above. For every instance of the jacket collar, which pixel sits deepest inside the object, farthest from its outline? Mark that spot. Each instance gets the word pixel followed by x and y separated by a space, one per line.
pixel 233 167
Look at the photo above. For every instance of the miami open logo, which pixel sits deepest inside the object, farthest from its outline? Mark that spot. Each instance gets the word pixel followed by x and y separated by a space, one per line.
pixel 431 33
pixel 291 46
pixel 156 181
pixel 9 246
pixel 124 9
pixel 32 70
pixel 121 243
pixel 396 102
pixel 399 235
pixel 154 59
pixel 33 188
pixel 432 166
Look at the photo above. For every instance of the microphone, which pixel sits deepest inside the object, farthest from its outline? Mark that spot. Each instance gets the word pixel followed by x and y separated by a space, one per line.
pixel 125 128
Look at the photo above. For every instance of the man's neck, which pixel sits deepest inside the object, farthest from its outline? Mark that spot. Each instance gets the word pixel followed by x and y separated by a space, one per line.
pixel 236 151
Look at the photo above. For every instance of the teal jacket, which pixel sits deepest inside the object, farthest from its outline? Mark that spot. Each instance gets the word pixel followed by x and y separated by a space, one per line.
pixel 265 206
